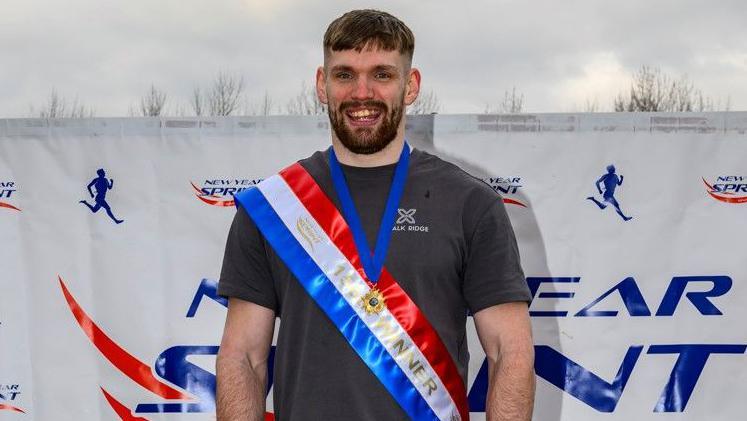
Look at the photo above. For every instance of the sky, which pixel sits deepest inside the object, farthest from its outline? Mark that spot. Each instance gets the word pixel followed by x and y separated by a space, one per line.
pixel 561 55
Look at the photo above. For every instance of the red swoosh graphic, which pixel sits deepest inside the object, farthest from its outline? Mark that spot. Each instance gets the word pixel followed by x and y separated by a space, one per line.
pixel 197 189
pixel 8 205
pixel 742 199
pixel 212 199
pixel 124 412
pixel 11 408
pixel 217 202
pixel 513 202
pixel 130 366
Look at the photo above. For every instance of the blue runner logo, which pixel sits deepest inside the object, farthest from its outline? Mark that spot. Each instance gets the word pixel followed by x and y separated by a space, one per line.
pixel 101 184
pixel 610 182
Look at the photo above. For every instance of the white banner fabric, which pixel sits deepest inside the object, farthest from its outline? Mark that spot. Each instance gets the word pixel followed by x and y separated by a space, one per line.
pixel 631 230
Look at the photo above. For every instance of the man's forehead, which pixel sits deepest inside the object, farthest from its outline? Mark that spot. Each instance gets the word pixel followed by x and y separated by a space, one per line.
pixel 366 57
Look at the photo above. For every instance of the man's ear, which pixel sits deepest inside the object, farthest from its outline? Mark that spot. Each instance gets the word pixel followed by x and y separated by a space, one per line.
pixel 321 85
pixel 413 86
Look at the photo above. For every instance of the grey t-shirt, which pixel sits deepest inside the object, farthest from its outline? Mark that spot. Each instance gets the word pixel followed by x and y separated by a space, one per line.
pixel 452 250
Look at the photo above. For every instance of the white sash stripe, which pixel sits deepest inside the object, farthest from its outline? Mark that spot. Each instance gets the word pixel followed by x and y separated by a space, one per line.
pixel 352 287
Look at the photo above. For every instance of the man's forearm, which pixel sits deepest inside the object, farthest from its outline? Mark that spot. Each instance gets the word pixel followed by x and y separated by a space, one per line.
pixel 240 391
pixel 511 388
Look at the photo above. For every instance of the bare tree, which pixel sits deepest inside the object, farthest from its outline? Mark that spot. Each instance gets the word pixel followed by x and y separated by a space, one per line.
pixel 180 110
pixel 591 105
pixel 306 102
pixel 512 103
pixel 426 103
pixel 265 107
pixel 58 107
pixel 652 90
pixel 152 104
pixel 197 102
pixel 224 95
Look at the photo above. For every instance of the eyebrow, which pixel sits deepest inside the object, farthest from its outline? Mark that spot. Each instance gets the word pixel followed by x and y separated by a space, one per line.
pixel 343 67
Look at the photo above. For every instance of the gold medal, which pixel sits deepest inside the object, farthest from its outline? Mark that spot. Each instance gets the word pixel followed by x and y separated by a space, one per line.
pixel 373 301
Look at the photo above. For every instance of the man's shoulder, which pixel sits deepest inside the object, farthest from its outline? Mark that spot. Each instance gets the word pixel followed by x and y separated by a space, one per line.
pixel 450 175
pixel 314 162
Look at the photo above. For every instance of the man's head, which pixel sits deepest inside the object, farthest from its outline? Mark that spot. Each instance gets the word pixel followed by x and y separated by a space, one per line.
pixel 100 172
pixel 367 79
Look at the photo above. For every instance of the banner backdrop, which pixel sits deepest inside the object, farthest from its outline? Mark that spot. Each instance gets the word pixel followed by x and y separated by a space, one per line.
pixel 631 229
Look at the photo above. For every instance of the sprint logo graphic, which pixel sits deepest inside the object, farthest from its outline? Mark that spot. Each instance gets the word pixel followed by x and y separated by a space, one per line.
pixel 220 191
pixel 727 188
pixel 8 394
pixel 506 186
pixel 7 188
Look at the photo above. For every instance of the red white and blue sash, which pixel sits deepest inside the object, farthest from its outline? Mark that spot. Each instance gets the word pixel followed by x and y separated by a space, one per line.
pixel 398 344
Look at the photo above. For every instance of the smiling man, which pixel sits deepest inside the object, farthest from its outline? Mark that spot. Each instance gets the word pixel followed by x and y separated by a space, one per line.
pixel 372 255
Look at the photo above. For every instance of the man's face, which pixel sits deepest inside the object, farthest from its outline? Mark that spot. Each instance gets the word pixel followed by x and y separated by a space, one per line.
pixel 366 93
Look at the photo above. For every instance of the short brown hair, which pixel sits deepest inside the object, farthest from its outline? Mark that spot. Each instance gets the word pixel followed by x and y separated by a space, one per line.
pixel 359 29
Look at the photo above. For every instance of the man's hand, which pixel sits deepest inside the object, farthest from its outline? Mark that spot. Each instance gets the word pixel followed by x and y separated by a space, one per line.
pixel 506 336
pixel 241 366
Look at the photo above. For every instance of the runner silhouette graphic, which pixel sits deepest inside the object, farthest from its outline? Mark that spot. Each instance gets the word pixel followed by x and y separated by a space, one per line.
pixel 101 184
pixel 610 181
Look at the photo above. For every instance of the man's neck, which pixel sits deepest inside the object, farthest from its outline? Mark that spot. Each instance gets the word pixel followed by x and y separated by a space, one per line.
pixel 388 155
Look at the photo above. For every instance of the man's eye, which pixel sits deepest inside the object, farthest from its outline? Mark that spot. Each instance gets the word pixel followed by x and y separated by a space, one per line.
pixel 383 75
pixel 344 76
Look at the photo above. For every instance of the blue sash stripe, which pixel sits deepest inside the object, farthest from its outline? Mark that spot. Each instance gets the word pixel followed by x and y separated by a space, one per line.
pixel 320 288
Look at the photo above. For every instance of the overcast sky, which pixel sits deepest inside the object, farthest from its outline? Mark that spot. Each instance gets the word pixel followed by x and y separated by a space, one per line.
pixel 559 54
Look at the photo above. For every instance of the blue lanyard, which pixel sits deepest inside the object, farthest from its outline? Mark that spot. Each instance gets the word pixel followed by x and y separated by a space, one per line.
pixel 372 262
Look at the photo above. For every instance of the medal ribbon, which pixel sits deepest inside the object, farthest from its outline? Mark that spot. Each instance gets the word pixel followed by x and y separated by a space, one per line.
pixel 372 262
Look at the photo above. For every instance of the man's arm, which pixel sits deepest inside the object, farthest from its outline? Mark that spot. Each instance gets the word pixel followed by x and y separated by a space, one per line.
pixel 506 336
pixel 241 365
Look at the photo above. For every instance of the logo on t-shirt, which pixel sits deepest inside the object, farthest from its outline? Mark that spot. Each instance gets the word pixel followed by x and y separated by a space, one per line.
pixel 406 216
pixel 406 221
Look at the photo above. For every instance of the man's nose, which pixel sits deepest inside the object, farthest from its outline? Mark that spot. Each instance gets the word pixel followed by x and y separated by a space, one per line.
pixel 363 89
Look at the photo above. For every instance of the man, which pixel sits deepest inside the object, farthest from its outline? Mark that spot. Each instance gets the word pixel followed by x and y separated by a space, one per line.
pixel 360 339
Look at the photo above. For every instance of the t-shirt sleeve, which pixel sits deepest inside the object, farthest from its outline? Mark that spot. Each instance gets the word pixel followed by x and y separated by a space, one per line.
pixel 246 270
pixel 493 273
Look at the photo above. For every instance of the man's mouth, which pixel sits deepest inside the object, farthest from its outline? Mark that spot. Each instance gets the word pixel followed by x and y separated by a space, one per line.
pixel 363 116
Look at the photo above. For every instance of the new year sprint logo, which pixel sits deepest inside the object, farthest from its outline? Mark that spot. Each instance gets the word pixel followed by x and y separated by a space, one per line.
pixel 728 188
pixel 184 387
pixel 7 190
pixel 8 394
pixel 220 191
pixel 506 186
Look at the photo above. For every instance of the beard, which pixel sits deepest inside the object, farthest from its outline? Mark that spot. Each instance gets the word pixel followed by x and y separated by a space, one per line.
pixel 366 140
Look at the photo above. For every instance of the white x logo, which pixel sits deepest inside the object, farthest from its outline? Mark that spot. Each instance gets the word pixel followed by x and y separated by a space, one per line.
pixel 406 216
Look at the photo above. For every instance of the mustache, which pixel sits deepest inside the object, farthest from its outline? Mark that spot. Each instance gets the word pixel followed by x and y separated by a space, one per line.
pixel 371 103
